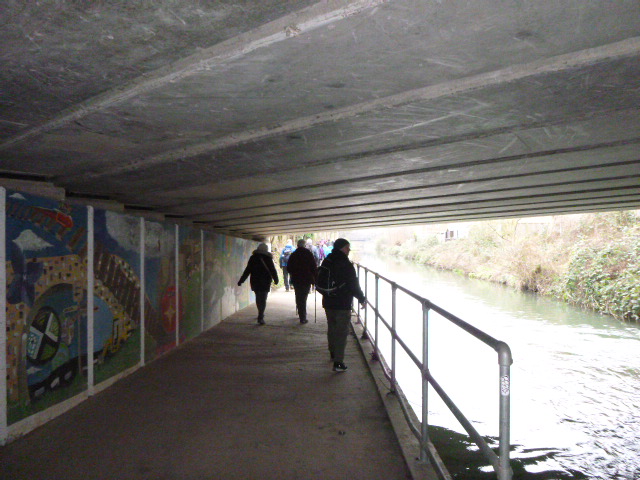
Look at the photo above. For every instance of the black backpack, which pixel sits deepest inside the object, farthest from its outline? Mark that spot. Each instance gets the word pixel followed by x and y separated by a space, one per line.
pixel 326 283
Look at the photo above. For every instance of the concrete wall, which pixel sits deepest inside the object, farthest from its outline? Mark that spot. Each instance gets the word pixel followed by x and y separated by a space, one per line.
pixel 92 295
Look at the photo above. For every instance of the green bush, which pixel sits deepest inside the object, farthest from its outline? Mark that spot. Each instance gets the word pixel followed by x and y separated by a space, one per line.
pixel 607 278
pixel 592 260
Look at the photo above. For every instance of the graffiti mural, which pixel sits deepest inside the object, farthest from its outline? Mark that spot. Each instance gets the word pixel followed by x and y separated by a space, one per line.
pixel 116 293
pixel 46 248
pixel 224 258
pixel 47 355
pixel 160 289
pixel 190 277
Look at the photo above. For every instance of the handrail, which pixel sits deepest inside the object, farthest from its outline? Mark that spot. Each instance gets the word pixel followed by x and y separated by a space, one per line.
pixel 500 462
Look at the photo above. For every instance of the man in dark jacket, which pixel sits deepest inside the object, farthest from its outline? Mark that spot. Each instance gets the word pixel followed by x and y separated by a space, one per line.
pixel 338 305
pixel 302 267
pixel 262 270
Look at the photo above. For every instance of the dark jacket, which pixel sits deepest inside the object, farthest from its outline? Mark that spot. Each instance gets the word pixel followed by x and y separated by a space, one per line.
pixel 302 267
pixel 343 271
pixel 262 270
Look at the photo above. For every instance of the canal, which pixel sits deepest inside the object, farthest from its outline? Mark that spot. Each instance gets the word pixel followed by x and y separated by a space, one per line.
pixel 575 380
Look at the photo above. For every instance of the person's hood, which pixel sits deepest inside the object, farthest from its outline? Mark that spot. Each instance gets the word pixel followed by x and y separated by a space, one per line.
pixel 263 249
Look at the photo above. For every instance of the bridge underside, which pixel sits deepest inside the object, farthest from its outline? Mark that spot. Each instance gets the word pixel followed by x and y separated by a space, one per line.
pixel 253 118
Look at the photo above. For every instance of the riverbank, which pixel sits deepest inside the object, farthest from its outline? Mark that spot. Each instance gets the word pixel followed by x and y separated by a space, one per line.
pixel 590 260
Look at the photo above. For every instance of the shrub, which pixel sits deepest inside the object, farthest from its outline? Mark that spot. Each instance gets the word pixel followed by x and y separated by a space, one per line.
pixel 606 278
pixel 592 260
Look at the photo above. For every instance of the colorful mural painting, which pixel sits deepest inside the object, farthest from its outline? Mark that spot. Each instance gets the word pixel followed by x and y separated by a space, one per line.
pixel 160 289
pixel 46 248
pixel 190 277
pixel 224 261
pixel 116 293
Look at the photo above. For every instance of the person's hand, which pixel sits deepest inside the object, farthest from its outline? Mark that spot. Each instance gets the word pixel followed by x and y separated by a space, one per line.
pixel 239 283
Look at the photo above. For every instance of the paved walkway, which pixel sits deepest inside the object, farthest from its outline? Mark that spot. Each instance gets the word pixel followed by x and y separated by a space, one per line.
pixel 241 401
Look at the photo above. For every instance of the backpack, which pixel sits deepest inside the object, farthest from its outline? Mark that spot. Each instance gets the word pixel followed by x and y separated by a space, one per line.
pixel 325 282
pixel 284 258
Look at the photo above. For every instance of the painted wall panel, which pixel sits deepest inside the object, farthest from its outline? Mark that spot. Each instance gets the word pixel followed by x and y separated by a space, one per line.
pixel 160 289
pixel 190 282
pixel 46 248
pixel 117 293
pixel 224 261
pixel 46 303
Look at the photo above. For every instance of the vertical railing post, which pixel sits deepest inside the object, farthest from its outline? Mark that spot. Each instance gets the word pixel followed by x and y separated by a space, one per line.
pixel 504 358
pixel 366 307
pixel 424 427
pixel 377 317
pixel 394 290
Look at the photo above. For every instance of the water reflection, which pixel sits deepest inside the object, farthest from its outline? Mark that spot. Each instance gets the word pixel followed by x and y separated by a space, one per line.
pixel 575 387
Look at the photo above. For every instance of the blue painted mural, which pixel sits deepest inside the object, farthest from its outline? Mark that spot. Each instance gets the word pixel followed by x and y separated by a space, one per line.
pixel 47 295
pixel 116 293
pixel 46 248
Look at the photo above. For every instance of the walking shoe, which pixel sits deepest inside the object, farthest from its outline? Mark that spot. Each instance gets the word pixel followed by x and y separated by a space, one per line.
pixel 304 320
pixel 339 367
pixel 261 321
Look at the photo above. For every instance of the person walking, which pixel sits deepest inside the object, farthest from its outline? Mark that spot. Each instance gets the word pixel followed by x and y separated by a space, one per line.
pixel 262 270
pixel 337 303
pixel 321 253
pixel 313 249
pixel 284 261
pixel 302 267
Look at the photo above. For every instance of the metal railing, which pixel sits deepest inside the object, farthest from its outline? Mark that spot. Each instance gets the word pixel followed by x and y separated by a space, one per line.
pixel 500 462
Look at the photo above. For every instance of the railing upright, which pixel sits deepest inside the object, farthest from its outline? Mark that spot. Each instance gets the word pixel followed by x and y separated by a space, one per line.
pixel 424 427
pixel 375 340
pixel 364 333
pixel 505 360
pixel 501 463
pixel 394 291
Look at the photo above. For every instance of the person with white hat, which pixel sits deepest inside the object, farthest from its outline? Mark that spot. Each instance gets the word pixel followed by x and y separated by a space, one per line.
pixel 262 270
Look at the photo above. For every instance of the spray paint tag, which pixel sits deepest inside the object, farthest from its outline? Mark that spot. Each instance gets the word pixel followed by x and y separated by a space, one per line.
pixel 504 386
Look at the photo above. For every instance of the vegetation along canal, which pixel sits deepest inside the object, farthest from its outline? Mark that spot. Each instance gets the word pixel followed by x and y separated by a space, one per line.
pixel 575 380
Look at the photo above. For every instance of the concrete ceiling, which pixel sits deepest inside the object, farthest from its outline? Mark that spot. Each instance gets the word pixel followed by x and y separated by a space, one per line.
pixel 271 116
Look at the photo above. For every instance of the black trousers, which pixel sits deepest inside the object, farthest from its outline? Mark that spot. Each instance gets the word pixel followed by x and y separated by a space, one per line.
pixel 302 292
pixel 261 303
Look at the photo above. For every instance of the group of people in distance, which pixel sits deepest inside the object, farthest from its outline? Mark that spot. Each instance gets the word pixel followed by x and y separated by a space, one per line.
pixel 301 264
pixel 319 252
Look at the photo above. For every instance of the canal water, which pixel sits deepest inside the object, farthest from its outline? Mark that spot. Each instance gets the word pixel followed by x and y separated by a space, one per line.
pixel 575 380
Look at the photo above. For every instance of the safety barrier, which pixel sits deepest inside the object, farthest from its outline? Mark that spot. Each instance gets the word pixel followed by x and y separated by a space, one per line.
pixel 500 462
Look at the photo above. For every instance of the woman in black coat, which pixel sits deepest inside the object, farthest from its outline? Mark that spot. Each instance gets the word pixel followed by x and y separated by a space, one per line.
pixel 262 270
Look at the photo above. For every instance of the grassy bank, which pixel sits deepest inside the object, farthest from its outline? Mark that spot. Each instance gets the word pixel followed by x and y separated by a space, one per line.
pixel 591 260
